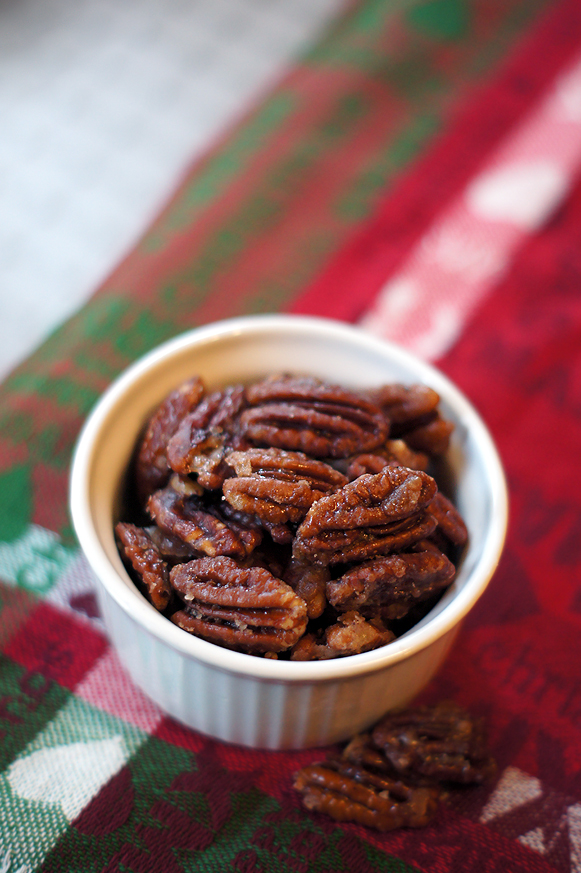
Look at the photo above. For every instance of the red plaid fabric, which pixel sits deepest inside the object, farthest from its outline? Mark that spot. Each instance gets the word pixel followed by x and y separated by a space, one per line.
pixel 418 173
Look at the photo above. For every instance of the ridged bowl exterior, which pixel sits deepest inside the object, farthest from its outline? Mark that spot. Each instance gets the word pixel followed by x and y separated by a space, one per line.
pixel 257 712
pixel 235 697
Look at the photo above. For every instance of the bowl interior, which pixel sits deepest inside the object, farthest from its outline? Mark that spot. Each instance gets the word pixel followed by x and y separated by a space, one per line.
pixel 241 350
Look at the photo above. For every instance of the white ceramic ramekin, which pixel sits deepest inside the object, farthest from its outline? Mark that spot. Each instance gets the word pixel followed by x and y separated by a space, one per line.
pixel 236 697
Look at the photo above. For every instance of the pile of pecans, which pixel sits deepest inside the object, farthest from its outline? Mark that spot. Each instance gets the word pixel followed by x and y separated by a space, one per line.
pixel 291 517
pixel 394 775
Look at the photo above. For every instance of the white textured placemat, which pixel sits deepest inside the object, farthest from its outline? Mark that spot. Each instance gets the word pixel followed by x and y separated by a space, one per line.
pixel 102 105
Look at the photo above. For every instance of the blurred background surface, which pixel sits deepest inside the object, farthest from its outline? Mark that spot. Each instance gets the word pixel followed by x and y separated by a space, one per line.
pixel 102 107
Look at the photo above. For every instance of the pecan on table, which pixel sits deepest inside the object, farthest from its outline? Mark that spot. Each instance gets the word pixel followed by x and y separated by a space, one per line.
pixel 360 750
pixel 350 635
pixel 151 466
pixel 442 743
pixel 276 485
pixel 205 435
pixel 348 792
pixel 307 415
pixel 140 551
pixel 391 583
pixel 373 515
pixel 247 609
pixel 201 527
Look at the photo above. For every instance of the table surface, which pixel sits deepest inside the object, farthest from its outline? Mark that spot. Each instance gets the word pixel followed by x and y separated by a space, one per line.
pixel 414 170
pixel 103 107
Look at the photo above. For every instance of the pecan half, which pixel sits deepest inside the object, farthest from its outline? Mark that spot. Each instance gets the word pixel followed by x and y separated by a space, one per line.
pixel 201 527
pixel 450 522
pixel 309 581
pixel 402 453
pixel 243 608
pixel 431 437
pixel 391 581
pixel 171 548
pixel 404 403
pixel 394 452
pixel 151 466
pixel 200 452
pixel 276 485
pixel 350 635
pixel 305 414
pixel 205 435
pixel 348 792
pixel 360 750
pixel 413 412
pixel 142 553
pixel 441 743
pixel 373 515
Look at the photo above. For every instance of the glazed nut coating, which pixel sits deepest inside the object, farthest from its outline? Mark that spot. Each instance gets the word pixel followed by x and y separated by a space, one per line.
pixel 441 743
pixel 351 635
pixel 140 551
pixel 391 580
pixel 151 467
pixel 243 608
pixel 304 414
pixel 276 485
pixel 348 792
pixel 394 775
pixel 204 436
pixel 375 514
pixel 200 526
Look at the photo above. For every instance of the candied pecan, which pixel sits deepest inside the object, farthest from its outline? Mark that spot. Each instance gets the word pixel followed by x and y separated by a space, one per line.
pixel 139 549
pixel 308 580
pixel 404 403
pixel 280 533
pixel 365 463
pixel 184 486
pixel 350 635
pixel 413 413
pixel 202 453
pixel 348 792
pixel 432 437
pixel 172 549
pixel 219 409
pixel 442 743
pixel 242 608
pixel 276 485
pixel 373 515
pixel 342 547
pixel 392 580
pixel 305 414
pixel 151 466
pixel 205 435
pixel 201 527
pixel 450 522
pixel 360 750
pixel 394 452
pixel 400 451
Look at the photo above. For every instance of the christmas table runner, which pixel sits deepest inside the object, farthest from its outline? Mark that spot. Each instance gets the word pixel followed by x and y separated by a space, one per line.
pixel 417 173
